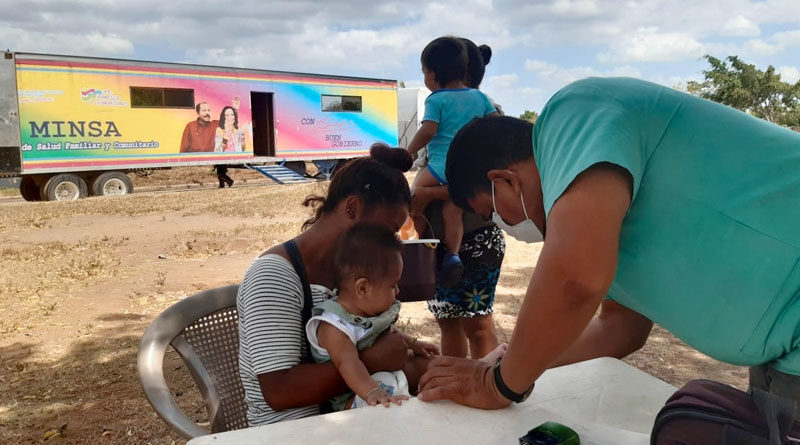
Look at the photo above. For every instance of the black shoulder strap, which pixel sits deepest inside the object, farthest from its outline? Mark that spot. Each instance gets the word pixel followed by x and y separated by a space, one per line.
pixel 297 263
pixel 308 302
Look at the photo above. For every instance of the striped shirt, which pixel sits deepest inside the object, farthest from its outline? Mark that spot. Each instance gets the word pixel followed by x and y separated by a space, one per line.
pixel 271 331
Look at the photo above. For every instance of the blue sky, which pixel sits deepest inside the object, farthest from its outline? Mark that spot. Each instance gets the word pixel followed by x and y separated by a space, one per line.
pixel 539 45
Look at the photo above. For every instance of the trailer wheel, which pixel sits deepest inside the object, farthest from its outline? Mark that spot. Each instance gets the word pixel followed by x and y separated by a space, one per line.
pixel 112 184
pixel 29 190
pixel 64 187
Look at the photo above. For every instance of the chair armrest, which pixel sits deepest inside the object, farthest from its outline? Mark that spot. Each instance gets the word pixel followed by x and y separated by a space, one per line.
pixel 150 366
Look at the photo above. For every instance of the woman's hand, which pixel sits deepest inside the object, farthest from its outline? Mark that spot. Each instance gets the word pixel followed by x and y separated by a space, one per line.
pixel 424 349
pixel 464 381
pixel 388 353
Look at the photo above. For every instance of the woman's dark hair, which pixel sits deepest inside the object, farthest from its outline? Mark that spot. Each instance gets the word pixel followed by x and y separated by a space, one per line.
pixel 375 244
pixel 447 58
pixel 377 179
pixel 477 59
pixel 235 118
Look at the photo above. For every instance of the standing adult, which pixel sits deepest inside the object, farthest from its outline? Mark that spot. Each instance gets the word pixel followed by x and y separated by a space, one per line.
pixel 464 310
pixel 656 206
pixel 280 380
pixel 199 134
pixel 222 176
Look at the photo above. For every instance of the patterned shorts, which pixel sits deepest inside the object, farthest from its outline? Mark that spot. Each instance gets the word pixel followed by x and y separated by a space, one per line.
pixel 482 252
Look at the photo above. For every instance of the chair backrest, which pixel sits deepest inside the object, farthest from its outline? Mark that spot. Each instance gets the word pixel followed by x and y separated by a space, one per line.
pixel 203 329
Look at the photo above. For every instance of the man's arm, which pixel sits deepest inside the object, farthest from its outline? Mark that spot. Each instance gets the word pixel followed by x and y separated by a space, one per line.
pixel 575 270
pixel 573 275
pixel 615 332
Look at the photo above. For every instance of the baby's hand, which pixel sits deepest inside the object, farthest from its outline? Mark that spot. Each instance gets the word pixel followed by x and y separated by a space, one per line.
pixel 424 349
pixel 379 395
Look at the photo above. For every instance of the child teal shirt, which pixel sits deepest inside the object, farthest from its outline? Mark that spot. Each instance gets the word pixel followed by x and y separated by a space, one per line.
pixel 451 109
pixel 710 246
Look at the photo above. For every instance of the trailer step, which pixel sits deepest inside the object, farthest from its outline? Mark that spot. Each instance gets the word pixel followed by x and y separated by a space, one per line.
pixel 279 173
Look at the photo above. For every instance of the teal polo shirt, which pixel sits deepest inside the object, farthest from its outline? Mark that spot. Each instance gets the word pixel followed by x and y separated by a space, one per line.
pixel 710 246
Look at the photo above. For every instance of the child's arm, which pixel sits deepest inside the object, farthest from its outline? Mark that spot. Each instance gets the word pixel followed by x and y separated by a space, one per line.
pixel 424 135
pixel 344 356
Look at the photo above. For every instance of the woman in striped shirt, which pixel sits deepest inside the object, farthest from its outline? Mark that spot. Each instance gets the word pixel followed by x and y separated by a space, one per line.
pixel 280 380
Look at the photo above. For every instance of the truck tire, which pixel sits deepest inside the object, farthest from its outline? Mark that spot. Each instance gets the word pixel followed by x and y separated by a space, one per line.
pixel 29 190
pixel 64 187
pixel 112 184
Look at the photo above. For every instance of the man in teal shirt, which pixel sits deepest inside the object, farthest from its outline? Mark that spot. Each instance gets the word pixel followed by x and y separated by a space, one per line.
pixel 656 206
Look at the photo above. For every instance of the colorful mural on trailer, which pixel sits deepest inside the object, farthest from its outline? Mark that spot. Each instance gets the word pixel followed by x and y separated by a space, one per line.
pixel 79 114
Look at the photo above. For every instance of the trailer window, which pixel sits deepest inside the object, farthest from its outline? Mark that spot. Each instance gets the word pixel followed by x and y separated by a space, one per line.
pixel 341 103
pixel 144 97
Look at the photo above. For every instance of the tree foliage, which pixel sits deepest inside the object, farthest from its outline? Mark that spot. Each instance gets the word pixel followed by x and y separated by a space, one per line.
pixel 529 116
pixel 741 85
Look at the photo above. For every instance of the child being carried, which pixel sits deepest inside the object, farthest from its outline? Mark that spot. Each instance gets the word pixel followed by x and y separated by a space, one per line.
pixel 450 106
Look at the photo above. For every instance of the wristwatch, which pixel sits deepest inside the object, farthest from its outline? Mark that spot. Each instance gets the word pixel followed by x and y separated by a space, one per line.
pixel 505 390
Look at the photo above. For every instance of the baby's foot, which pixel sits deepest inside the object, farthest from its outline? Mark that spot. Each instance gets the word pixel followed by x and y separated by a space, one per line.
pixel 498 352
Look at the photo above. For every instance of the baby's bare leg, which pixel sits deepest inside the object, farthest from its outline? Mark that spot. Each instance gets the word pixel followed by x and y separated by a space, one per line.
pixel 424 179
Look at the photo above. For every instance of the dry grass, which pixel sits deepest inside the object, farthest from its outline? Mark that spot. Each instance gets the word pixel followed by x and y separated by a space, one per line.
pixel 82 280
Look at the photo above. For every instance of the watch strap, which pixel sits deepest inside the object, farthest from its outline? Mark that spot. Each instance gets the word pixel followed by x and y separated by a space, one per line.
pixel 505 390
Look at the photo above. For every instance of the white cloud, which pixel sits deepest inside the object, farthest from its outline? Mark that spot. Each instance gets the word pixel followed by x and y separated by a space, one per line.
pixel 384 39
pixel 761 48
pixel 500 81
pixel 789 74
pixel 741 26
pixel 559 76
pixel 788 38
pixel 66 42
pixel 575 7
pixel 650 45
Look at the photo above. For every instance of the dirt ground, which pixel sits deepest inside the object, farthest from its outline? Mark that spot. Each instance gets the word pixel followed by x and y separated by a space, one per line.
pixel 82 280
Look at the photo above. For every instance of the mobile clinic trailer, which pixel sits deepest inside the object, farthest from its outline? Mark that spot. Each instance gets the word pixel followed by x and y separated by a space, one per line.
pixel 72 126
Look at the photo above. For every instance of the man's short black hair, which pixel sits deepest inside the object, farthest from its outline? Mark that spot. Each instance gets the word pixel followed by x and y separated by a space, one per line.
pixel 487 143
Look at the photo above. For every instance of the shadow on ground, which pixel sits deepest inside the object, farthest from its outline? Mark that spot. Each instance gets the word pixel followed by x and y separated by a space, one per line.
pixel 91 393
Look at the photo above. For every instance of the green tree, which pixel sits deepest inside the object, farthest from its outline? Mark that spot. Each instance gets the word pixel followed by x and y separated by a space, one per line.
pixel 529 116
pixel 741 85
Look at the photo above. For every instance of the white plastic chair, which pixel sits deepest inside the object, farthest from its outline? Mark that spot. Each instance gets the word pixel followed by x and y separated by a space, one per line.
pixel 203 329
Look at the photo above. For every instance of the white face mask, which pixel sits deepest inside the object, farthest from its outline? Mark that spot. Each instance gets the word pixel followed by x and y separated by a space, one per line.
pixel 525 231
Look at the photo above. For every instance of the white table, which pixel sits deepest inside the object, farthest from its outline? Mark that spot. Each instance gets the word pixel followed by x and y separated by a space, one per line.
pixel 606 401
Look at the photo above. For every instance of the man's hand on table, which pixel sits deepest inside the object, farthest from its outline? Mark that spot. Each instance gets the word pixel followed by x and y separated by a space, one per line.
pixel 464 381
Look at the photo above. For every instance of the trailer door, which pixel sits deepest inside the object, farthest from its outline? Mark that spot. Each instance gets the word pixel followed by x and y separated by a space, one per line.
pixel 10 154
pixel 263 123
